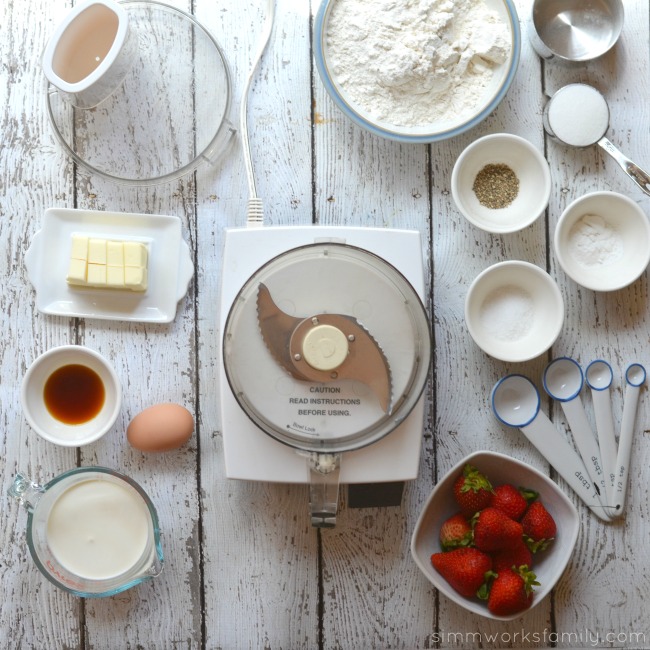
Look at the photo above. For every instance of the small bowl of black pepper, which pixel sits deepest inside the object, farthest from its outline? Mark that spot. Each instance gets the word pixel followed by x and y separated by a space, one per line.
pixel 501 183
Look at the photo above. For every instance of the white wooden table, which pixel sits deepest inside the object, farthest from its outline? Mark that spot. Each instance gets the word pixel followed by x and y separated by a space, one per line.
pixel 244 568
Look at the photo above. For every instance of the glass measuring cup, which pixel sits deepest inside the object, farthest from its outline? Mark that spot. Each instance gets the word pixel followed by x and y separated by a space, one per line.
pixel 578 115
pixel 91 498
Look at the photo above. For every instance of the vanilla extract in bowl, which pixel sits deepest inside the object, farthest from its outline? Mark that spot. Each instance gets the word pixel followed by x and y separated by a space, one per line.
pixel 74 394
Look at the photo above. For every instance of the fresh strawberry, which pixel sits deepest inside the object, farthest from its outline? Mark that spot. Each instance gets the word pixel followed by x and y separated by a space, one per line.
pixel 511 592
pixel 539 527
pixel 510 500
pixel 472 490
pixel 463 568
pixel 493 530
pixel 517 556
pixel 455 532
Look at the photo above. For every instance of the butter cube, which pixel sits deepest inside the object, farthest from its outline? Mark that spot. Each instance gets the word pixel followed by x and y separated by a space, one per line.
pixel 96 251
pixel 115 253
pixel 79 247
pixel 97 275
pixel 135 254
pixel 135 278
pixel 76 272
pixel 115 277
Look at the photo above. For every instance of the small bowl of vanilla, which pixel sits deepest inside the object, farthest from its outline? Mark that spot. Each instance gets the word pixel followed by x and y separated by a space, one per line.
pixel 602 241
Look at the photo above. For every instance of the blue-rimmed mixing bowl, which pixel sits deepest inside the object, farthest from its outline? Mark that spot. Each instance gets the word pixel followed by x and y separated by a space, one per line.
pixel 442 129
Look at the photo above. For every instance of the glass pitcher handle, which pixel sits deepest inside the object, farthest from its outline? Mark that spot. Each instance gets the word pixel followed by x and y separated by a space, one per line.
pixel 324 472
pixel 25 491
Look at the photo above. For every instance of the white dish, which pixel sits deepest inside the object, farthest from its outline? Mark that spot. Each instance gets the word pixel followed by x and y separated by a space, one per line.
pixel 499 468
pixel 170 266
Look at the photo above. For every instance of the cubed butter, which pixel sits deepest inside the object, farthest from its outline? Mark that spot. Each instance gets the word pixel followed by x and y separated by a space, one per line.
pixel 115 253
pixel 135 278
pixel 76 272
pixel 135 254
pixel 115 277
pixel 79 247
pixel 96 251
pixel 108 264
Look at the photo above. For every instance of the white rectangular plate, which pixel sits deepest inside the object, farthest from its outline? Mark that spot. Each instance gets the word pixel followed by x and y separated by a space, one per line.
pixel 170 266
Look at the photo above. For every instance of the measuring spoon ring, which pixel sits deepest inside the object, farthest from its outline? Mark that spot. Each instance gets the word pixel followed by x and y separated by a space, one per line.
pixel 515 402
pixel 599 378
pixel 635 377
pixel 563 380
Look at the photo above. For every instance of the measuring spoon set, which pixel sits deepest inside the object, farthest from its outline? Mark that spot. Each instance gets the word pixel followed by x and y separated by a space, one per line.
pixel 598 471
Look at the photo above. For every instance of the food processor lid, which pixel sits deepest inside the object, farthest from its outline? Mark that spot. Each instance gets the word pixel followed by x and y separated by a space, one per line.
pixel 327 347
pixel 170 114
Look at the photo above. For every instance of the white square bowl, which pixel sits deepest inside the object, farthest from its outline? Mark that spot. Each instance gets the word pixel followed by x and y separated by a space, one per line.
pixel 499 468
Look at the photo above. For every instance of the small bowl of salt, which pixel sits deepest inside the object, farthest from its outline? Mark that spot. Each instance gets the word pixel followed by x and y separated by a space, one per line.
pixel 514 311
pixel 501 183
pixel 602 241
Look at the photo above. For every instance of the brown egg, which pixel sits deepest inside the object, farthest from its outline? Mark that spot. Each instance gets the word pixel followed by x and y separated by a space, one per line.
pixel 160 428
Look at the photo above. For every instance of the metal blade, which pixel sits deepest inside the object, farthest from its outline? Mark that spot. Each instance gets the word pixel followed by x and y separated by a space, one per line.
pixel 344 338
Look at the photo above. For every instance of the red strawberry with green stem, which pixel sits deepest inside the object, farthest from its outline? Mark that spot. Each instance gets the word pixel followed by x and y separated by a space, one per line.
pixel 517 556
pixel 539 527
pixel 511 500
pixel 493 530
pixel 455 532
pixel 472 490
pixel 511 592
pixel 463 568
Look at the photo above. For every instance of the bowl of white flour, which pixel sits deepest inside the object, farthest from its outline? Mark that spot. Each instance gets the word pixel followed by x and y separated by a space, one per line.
pixel 417 71
pixel 602 241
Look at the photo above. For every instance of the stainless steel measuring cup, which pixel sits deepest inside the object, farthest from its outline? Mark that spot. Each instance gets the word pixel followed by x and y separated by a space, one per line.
pixel 578 115
pixel 575 30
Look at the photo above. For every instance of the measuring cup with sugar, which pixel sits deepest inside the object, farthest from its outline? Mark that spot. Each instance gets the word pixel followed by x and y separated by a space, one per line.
pixel 91 531
pixel 90 52
pixel 563 381
pixel 578 115
pixel 516 403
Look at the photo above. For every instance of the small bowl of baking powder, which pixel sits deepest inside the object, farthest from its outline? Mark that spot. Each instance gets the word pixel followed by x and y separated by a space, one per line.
pixel 417 71
pixel 514 311
pixel 501 183
pixel 602 241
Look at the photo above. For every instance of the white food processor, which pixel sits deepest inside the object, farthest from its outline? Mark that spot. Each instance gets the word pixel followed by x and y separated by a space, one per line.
pixel 326 351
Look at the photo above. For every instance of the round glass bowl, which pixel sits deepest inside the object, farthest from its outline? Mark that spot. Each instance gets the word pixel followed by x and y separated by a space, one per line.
pixel 444 124
pixel 169 115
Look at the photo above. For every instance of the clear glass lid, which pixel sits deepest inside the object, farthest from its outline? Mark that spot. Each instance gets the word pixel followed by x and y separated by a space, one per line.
pixel 169 115
pixel 327 347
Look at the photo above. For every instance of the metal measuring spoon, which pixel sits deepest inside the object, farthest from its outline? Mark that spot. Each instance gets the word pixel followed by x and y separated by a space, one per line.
pixel 578 115
pixel 515 402
pixel 599 378
pixel 563 381
pixel 635 376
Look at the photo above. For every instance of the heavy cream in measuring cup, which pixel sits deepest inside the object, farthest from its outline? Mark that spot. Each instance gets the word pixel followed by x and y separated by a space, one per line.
pixel 98 529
